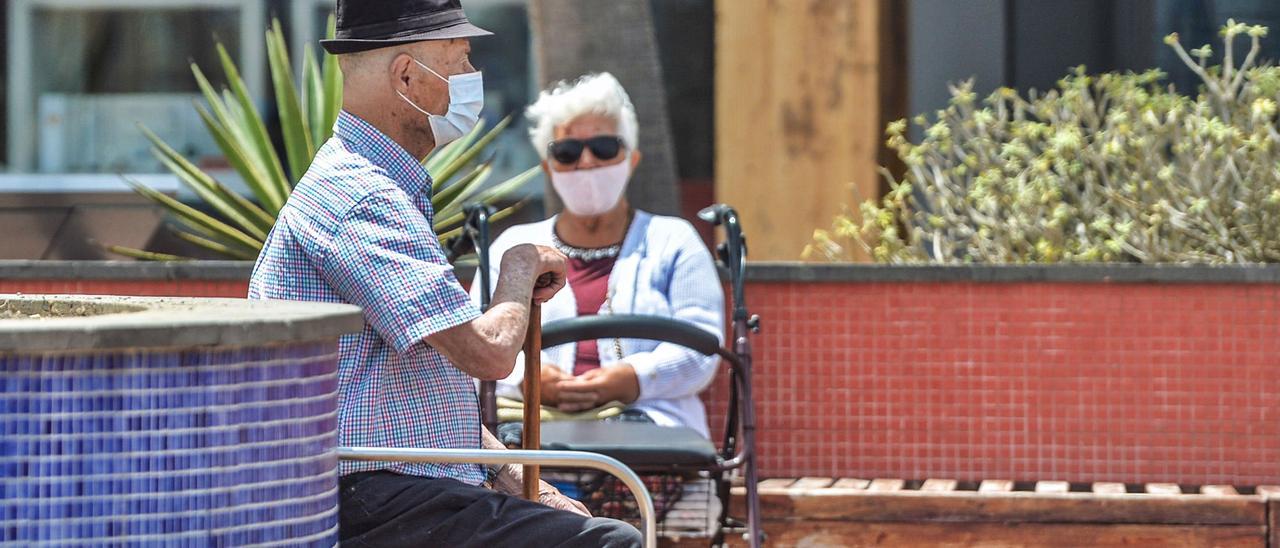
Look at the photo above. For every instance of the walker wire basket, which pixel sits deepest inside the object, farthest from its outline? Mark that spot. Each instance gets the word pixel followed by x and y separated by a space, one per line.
pixel 685 504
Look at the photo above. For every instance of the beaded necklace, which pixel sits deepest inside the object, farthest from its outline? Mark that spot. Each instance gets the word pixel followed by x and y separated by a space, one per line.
pixel 590 254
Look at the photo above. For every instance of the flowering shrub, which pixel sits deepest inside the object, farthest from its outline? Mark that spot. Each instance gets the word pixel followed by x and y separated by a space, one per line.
pixel 1112 167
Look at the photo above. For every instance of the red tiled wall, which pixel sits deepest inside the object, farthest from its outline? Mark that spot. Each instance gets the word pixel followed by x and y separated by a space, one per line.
pixel 1075 382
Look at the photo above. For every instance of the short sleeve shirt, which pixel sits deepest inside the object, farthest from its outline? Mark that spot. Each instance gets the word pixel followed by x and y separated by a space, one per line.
pixel 358 229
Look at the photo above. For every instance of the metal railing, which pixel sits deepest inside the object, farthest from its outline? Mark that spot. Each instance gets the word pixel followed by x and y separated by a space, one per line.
pixel 579 459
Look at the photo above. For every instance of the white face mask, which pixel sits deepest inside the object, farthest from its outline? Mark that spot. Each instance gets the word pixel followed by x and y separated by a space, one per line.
pixel 466 99
pixel 591 192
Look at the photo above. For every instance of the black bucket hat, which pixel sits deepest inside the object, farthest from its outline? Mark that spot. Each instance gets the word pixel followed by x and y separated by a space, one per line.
pixel 371 24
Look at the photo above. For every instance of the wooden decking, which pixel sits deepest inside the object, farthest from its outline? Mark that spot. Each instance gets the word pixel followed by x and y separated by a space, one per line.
pixel 944 512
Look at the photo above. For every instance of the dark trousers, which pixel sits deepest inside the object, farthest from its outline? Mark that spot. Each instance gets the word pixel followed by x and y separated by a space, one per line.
pixel 388 509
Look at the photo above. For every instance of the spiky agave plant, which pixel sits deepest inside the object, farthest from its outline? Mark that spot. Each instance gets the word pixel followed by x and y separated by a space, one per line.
pixel 237 226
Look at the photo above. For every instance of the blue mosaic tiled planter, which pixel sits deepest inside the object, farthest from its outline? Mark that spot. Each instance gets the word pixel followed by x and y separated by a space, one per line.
pixel 226 440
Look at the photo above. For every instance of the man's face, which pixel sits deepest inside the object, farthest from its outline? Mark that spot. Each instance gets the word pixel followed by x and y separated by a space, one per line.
pixel 446 58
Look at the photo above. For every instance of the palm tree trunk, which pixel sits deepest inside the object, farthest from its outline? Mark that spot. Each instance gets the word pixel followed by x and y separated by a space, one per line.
pixel 575 37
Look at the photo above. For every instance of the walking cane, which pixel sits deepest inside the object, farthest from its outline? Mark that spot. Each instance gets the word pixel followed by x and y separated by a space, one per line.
pixel 532 397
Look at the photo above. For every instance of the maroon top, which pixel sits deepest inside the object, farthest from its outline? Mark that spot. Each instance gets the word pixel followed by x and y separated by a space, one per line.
pixel 590 283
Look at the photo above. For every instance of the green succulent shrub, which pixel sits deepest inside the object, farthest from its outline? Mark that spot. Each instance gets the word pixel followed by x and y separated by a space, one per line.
pixel 1104 168
pixel 235 227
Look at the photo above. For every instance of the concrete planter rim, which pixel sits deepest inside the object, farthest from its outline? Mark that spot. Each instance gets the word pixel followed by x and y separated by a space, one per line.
pixel 173 322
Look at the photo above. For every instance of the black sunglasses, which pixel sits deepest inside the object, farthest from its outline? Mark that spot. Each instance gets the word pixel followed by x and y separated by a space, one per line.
pixel 568 151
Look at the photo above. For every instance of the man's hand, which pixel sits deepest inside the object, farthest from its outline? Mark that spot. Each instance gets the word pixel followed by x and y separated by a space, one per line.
pixel 510 482
pixel 486 347
pixel 598 387
pixel 550 496
pixel 546 264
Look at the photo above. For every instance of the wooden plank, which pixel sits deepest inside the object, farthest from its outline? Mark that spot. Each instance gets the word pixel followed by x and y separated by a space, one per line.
pixel 1108 488
pixel 681 542
pixel 1269 491
pixel 1273 515
pixel 809 73
pixel 835 533
pixel 969 506
pixel 1163 489
pixel 886 485
pixel 1271 494
pixel 775 496
pixel 938 485
pixel 1218 491
pixel 1052 487
pixel 995 486
pixel 776 484
pixel 809 484
pixel 850 483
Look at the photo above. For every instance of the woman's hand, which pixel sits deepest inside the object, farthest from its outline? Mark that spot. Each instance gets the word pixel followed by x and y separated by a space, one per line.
pixel 586 392
pixel 550 383
pixel 598 387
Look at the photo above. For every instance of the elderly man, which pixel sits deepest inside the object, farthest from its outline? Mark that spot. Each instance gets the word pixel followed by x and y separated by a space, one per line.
pixel 358 229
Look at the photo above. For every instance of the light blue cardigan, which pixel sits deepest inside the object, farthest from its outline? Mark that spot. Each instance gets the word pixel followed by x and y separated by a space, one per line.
pixel 664 270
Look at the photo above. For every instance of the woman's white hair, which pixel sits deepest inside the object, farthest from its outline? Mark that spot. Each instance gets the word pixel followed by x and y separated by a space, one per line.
pixel 599 94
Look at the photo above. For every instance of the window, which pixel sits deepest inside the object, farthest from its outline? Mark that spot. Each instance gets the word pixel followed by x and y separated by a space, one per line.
pixel 83 73
pixel 1197 23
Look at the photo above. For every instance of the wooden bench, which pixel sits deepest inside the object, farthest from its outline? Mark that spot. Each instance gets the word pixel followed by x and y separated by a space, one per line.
pixel 895 512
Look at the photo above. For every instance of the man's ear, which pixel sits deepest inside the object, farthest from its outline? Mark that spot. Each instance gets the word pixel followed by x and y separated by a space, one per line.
pixel 400 69
pixel 635 159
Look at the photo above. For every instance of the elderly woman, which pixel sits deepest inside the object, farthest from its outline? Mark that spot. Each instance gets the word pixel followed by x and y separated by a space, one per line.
pixel 621 261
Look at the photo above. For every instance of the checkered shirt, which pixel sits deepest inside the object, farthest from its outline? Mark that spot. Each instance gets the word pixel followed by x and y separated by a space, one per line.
pixel 357 229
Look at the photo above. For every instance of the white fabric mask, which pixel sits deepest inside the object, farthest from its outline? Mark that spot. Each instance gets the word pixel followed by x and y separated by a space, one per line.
pixel 466 99
pixel 591 192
